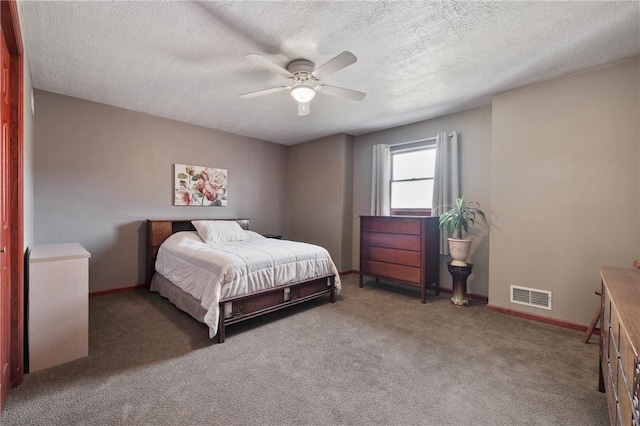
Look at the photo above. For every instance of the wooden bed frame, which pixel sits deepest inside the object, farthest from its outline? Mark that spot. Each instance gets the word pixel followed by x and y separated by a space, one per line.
pixel 245 306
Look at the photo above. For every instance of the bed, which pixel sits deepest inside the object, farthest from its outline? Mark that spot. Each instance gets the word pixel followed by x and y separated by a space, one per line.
pixel 220 280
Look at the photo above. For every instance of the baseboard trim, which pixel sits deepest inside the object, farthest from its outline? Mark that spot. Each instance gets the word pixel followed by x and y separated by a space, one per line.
pixel 349 272
pixel 539 318
pixel 117 290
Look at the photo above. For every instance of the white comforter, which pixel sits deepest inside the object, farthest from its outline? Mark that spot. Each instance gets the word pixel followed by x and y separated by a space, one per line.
pixel 212 273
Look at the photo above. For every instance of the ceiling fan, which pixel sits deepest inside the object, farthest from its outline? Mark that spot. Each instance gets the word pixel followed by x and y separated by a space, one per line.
pixel 305 79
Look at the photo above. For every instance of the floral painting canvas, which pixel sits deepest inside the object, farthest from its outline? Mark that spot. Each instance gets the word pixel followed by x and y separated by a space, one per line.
pixel 200 186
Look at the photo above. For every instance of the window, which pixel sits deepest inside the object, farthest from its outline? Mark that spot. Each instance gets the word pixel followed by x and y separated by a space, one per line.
pixel 412 169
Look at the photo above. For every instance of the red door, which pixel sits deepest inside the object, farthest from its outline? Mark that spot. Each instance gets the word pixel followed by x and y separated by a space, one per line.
pixel 5 283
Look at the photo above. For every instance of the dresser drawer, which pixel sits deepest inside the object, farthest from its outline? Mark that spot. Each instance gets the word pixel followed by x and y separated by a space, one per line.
pixel 606 324
pixel 398 241
pixel 624 402
pixel 627 359
pixel 401 257
pixel 610 390
pixel 611 397
pixel 614 347
pixel 389 270
pixel 397 226
pixel 636 392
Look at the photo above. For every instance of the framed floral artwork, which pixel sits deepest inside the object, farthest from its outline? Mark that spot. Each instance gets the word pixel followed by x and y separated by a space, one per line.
pixel 199 186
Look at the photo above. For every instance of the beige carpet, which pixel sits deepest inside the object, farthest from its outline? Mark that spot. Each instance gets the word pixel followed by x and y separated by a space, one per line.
pixel 376 356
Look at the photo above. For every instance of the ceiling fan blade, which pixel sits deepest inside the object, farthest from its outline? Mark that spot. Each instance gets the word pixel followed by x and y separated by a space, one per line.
pixel 341 61
pixel 304 108
pixel 266 63
pixel 263 92
pixel 354 95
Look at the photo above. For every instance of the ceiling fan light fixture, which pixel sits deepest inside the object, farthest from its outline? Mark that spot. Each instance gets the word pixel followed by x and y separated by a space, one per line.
pixel 305 79
pixel 303 93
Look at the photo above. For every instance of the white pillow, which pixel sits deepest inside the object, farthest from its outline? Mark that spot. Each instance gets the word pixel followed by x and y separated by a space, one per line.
pixel 219 231
pixel 253 235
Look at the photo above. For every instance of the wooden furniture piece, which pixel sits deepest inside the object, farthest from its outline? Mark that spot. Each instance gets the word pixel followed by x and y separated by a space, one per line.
pixel 58 304
pixel 459 275
pixel 619 373
pixel 595 319
pixel 246 306
pixel 401 248
pixel 276 236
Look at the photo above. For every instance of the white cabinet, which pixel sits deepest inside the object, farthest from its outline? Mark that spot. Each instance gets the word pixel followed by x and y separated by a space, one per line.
pixel 58 304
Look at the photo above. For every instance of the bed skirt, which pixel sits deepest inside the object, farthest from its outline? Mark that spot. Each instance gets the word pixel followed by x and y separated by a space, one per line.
pixel 243 307
pixel 178 297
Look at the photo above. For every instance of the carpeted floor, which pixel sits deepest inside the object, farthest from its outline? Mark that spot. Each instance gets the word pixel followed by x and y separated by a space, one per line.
pixel 376 356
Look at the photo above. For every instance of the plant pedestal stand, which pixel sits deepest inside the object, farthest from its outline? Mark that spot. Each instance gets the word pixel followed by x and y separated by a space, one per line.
pixel 460 274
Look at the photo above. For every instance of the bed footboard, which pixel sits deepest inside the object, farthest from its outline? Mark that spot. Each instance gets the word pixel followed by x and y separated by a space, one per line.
pixel 253 305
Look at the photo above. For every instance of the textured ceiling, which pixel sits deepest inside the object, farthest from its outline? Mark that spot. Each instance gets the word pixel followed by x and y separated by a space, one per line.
pixel 416 60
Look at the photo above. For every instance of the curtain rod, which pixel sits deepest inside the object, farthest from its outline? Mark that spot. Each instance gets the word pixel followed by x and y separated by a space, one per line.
pixel 417 141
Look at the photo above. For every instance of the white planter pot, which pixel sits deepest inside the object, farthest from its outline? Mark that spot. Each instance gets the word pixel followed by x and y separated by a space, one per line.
pixel 459 251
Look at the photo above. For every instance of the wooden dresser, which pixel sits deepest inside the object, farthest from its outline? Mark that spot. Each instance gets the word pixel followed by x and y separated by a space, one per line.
pixel 620 344
pixel 401 248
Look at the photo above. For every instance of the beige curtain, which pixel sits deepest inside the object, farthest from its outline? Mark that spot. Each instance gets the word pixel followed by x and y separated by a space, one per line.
pixel 380 180
pixel 446 179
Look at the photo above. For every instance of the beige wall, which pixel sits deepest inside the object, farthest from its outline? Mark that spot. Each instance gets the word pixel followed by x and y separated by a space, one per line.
pixel 474 129
pixel 320 192
pixel 100 172
pixel 564 187
pixel 569 145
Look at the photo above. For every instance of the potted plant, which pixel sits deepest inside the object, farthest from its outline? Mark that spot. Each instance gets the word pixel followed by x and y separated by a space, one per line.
pixel 457 221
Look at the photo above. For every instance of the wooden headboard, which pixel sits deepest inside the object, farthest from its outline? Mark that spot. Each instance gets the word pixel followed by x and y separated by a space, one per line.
pixel 160 230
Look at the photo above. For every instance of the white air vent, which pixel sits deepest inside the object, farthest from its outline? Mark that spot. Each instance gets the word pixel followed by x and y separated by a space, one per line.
pixel 531 297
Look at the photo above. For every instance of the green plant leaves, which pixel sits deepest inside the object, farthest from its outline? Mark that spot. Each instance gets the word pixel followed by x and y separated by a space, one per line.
pixel 457 219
